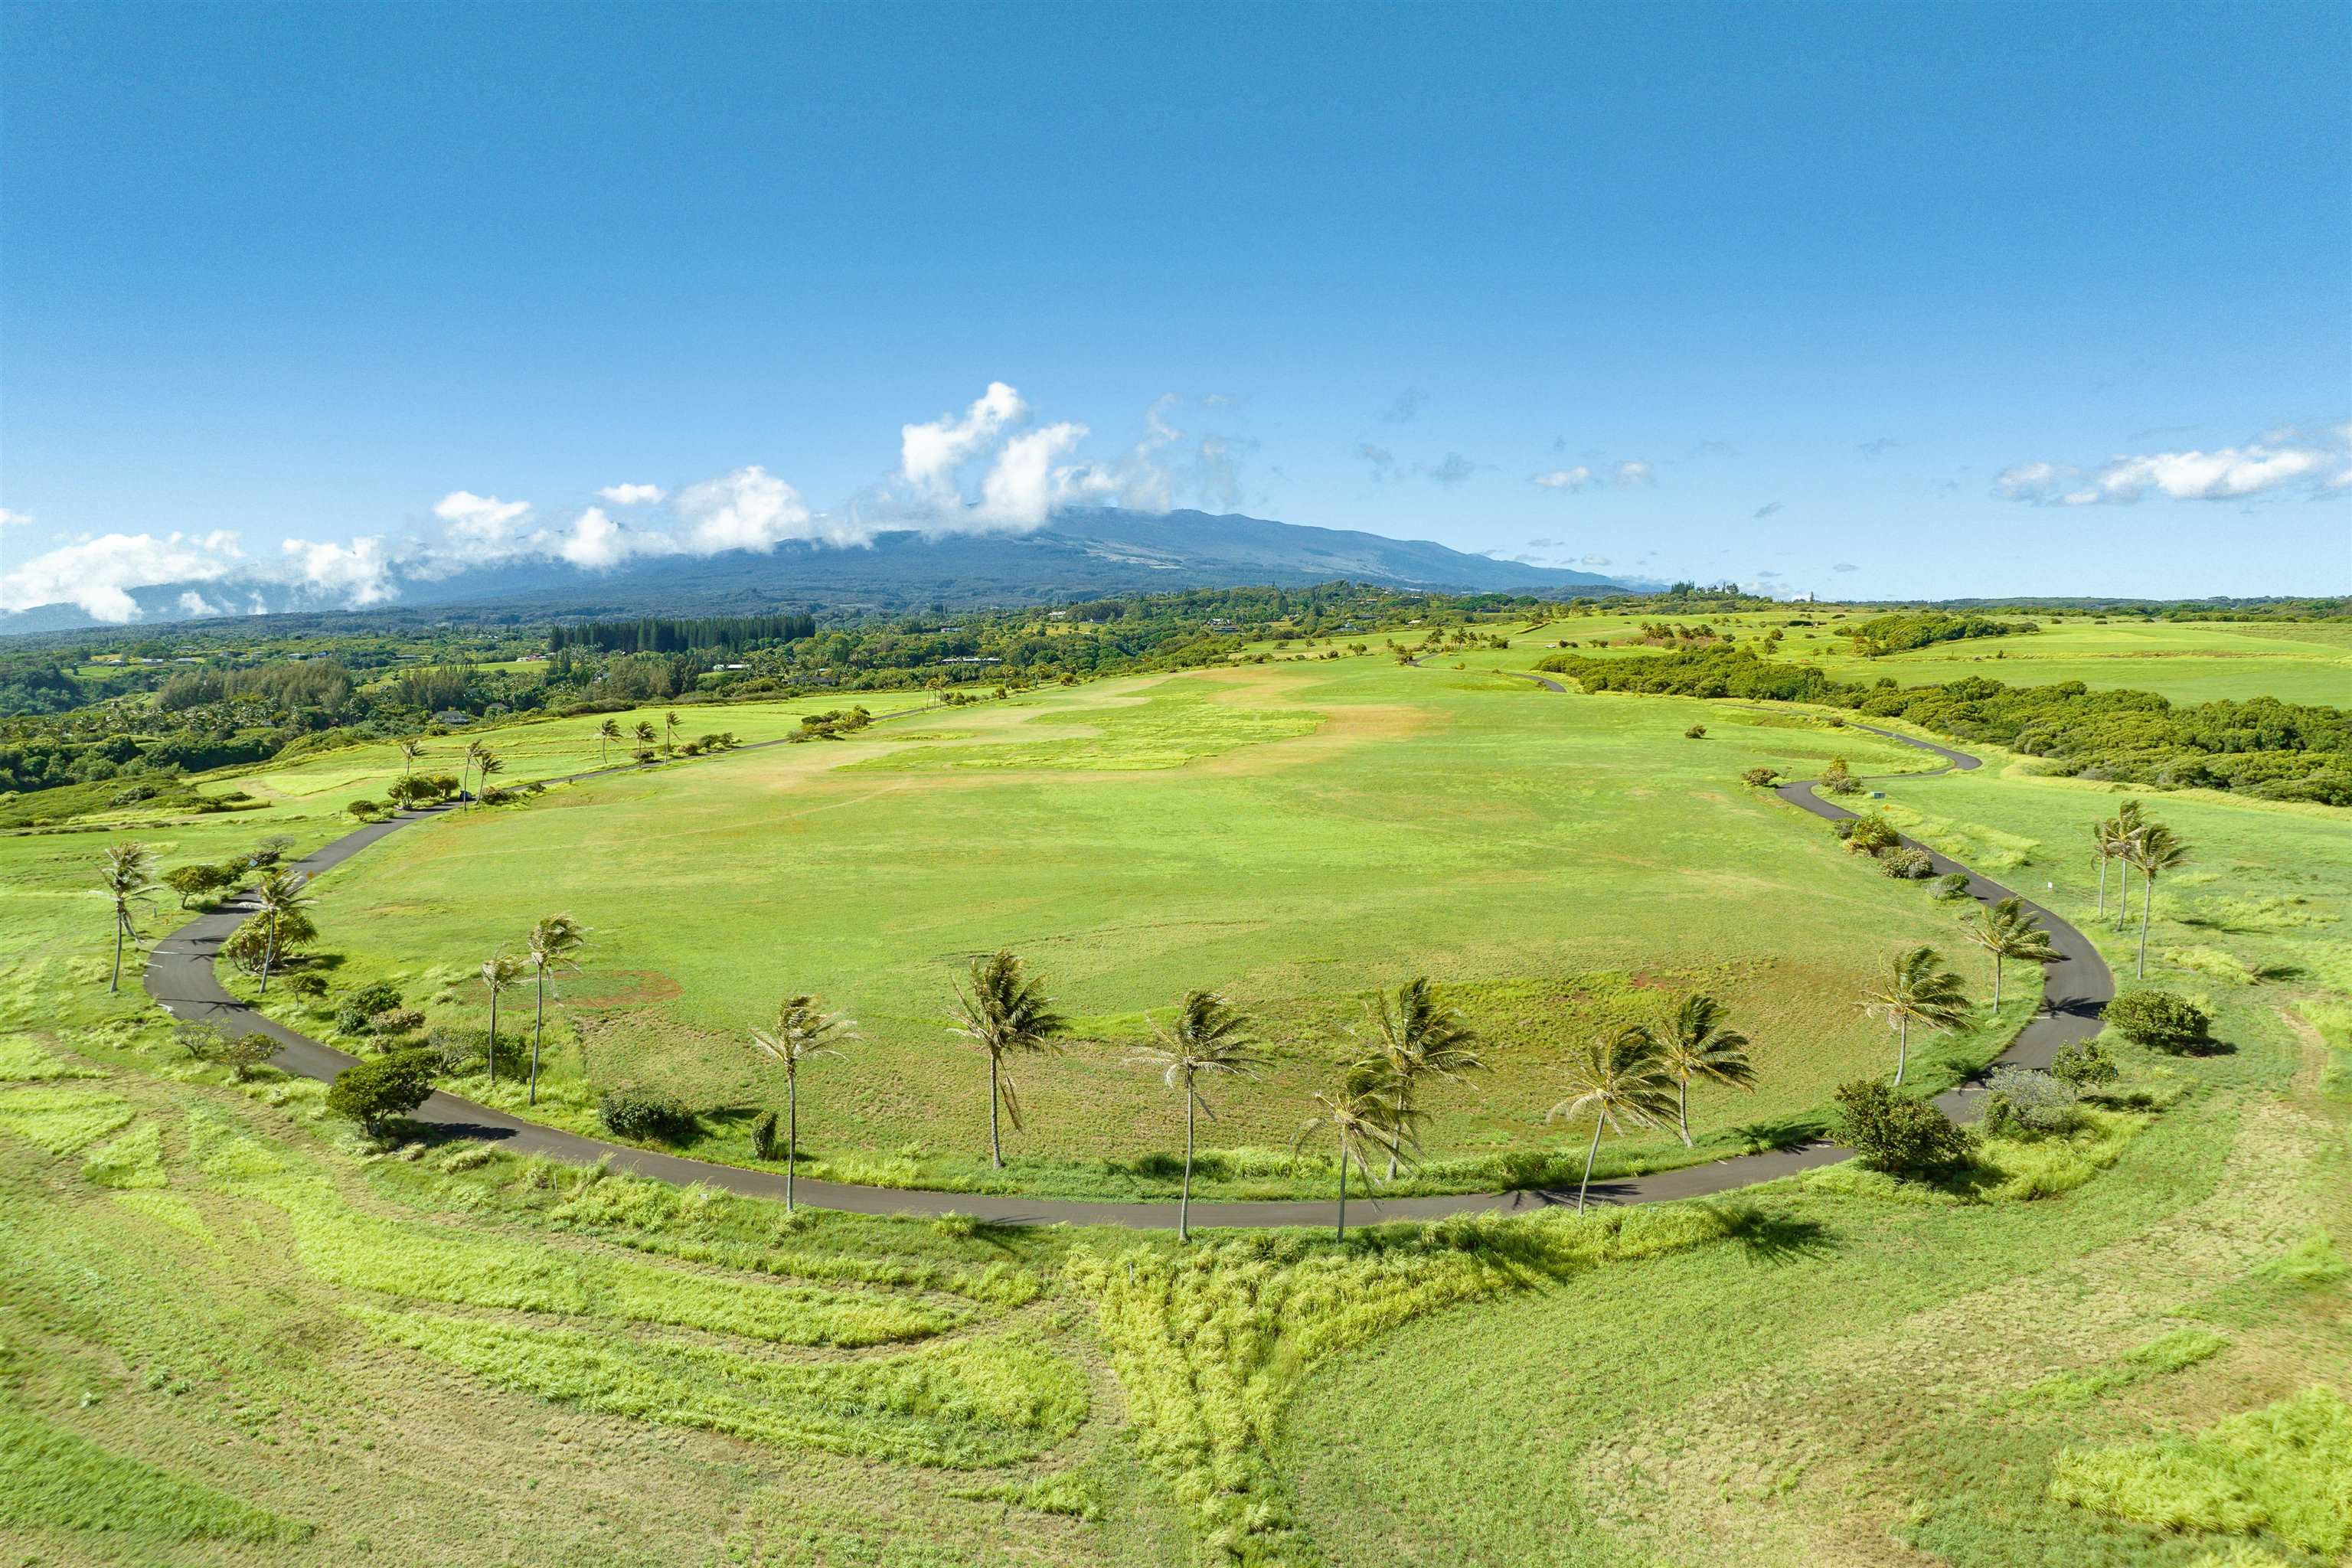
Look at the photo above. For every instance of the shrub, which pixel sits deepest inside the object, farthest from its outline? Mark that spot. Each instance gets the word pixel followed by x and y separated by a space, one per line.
pixel 1695 732
pixel 1907 865
pixel 365 809
pixel 357 1008
pixel 1869 834
pixel 1761 778
pixel 240 1056
pixel 765 1143
pixel 1843 829
pixel 309 987
pixel 2085 1064
pixel 2159 1019
pixel 1952 886
pixel 197 881
pixel 633 1113
pixel 1891 1132
pixel 2019 1100
pixel 249 942
pixel 374 1091
pixel 394 1021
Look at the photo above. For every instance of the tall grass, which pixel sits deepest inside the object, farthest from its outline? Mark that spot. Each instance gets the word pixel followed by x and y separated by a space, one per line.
pixel 2285 1471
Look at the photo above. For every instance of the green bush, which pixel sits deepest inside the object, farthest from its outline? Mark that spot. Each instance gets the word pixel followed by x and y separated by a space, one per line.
pixel 365 809
pixel 1952 886
pixel 633 1113
pixel 1890 1132
pixel 354 1012
pixel 2085 1064
pixel 2160 1019
pixel 374 1091
pixel 2022 1103
pixel 241 1055
pixel 1907 865
pixel 765 1142
pixel 1761 778
pixel 1869 834
pixel 1695 732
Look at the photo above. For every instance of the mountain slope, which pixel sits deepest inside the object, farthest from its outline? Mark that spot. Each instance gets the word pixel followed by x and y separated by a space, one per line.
pixel 1077 555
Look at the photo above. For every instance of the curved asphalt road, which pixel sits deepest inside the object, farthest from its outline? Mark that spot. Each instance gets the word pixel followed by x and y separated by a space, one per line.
pixel 180 976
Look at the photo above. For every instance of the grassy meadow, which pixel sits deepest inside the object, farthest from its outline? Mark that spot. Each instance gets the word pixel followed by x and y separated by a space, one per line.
pixel 2187 661
pixel 1292 836
pixel 232 1330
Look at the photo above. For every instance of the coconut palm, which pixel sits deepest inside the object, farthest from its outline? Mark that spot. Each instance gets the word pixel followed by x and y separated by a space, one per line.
pixel 491 763
pixel 547 950
pixel 607 733
pixel 1361 1113
pixel 277 893
pixel 2102 850
pixel 474 749
pixel 669 734
pixel 1208 1037
pixel 1004 1011
pixel 410 749
pixel 644 733
pixel 1916 990
pixel 2007 930
pixel 127 872
pixel 2156 849
pixel 803 1030
pixel 1693 1042
pixel 1621 1081
pixel 498 972
pixel 2124 830
pixel 1416 1033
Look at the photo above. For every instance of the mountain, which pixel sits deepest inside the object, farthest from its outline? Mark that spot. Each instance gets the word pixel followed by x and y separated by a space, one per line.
pixel 1077 554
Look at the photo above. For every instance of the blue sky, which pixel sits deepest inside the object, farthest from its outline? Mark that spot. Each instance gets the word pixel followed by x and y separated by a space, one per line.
pixel 1917 299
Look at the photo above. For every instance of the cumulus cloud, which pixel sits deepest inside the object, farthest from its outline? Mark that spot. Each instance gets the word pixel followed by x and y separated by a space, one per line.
pixel 193 604
pixel 1632 473
pixel 1576 478
pixel 2281 460
pixel 479 531
pixel 930 455
pixel 1767 509
pixel 595 541
pixel 97 575
pixel 633 495
pixel 359 573
pixel 1594 561
pixel 750 509
pixel 11 518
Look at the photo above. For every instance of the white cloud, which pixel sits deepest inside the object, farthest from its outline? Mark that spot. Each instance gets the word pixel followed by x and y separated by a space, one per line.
pixel 194 604
pixel 750 509
pixel 1846 566
pixel 1633 472
pixel 930 455
pixel 1021 487
pixel 596 542
pixel 11 518
pixel 360 573
pixel 633 495
pixel 97 575
pixel 1576 478
pixel 480 530
pixel 2280 460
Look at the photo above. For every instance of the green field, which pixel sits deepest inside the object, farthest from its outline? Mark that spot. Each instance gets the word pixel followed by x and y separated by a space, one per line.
pixel 2187 661
pixel 232 1330
pixel 1289 837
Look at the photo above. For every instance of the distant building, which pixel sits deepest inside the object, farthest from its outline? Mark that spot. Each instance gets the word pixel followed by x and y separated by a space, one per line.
pixel 450 716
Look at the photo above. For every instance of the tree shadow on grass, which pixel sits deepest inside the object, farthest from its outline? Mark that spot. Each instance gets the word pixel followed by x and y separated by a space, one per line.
pixel 1779 1240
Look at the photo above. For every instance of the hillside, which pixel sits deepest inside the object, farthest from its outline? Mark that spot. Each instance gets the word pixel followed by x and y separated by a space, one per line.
pixel 1077 554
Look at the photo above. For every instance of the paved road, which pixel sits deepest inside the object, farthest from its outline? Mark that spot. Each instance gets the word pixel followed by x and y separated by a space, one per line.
pixel 180 976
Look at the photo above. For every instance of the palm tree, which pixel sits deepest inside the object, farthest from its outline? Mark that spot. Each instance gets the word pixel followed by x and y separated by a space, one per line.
pixel 2103 850
pixel 607 732
pixel 2006 931
pixel 473 749
pixel 1916 991
pixel 804 1029
pixel 491 763
pixel 276 892
pixel 547 950
pixel 498 972
pixel 1361 1112
pixel 127 872
pixel 2123 831
pixel 1621 1081
pixel 669 734
pixel 644 734
pixel 410 749
pixel 1416 1033
pixel 1207 1037
pixel 1693 1043
pixel 2156 848
pixel 1004 1011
